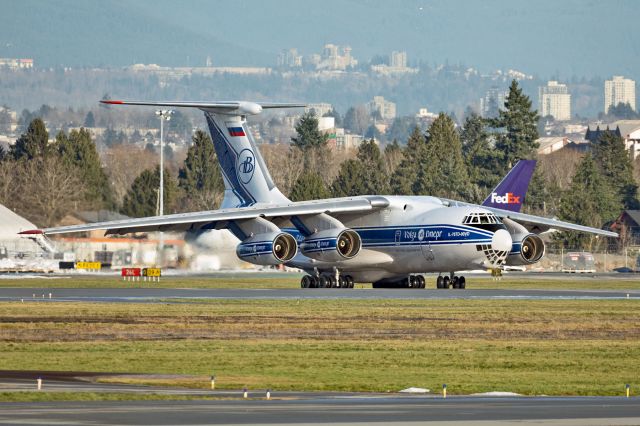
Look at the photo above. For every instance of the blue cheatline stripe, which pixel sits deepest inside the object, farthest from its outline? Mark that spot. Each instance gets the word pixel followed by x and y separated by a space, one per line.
pixel 257 253
pixel 227 157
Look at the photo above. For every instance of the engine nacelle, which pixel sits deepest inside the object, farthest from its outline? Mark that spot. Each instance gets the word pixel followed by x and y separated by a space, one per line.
pixel 526 250
pixel 332 245
pixel 272 248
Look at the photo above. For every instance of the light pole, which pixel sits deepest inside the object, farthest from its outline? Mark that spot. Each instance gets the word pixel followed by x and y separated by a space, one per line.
pixel 163 115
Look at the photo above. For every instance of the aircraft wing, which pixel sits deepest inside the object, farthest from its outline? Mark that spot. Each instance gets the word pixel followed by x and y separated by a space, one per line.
pixel 217 219
pixel 542 224
pixel 535 223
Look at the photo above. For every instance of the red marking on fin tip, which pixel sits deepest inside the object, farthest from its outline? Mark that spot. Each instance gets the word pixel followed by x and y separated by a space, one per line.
pixel 32 232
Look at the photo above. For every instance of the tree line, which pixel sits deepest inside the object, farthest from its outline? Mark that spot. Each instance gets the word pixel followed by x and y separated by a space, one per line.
pixel 45 181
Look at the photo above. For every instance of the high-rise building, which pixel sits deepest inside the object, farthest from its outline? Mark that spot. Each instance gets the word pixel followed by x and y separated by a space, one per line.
pixel 554 100
pixel 386 108
pixel 289 58
pixel 398 59
pixel 320 109
pixel 619 90
pixel 492 102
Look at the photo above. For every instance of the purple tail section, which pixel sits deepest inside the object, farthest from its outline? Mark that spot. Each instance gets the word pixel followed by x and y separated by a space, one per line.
pixel 510 192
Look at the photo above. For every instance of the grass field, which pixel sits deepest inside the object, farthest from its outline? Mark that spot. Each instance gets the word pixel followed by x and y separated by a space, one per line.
pixel 552 347
pixel 292 280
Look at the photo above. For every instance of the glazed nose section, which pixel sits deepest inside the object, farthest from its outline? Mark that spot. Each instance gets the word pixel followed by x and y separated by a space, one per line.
pixel 501 240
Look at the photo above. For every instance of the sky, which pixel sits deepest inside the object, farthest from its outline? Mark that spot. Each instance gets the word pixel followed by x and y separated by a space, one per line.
pixel 559 38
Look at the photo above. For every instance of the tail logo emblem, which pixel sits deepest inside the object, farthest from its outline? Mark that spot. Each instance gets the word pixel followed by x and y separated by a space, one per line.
pixel 246 166
pixel 508 198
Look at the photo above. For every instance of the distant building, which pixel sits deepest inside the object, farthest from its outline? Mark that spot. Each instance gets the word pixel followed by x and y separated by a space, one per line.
pixel 397 65
pixel 424 114
pixel 547 145
pixel 289 58
pixel 554 100
pixel 332 59
pixel 398 59
pixel 8 120
pixel 619 90
pixel 320 109
pixel 492 102
pixel 347 141
pixel 16 64
pixel 386 108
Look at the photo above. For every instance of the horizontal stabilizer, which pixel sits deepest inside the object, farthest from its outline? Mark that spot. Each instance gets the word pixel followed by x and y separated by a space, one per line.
pixel 222 107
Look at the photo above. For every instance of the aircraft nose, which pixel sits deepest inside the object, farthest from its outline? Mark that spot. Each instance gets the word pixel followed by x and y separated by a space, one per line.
pixel 501 240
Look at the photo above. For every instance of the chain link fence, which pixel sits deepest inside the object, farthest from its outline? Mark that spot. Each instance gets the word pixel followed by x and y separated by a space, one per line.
pixel 579 259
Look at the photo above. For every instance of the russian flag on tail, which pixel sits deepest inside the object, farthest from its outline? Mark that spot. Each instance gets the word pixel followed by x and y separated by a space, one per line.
pixel 236 131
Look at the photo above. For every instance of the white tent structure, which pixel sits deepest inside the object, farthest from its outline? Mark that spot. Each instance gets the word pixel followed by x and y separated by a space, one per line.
pixel 21 252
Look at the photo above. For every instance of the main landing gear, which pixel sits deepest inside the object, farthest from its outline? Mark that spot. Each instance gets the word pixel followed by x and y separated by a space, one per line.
pixel 452 281
pixel 327 281
pixel 412 281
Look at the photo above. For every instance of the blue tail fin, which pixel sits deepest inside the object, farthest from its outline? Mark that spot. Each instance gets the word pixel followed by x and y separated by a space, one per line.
pixel 511 191
pixel 246 178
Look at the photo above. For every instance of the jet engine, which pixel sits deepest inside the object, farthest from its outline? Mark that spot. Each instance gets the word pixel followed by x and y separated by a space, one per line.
pixel 332 245
pixel 272 248
pixel 527 248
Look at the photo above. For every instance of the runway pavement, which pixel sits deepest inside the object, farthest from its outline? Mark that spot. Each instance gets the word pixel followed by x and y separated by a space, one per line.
pixel 167 294
pixel 389 410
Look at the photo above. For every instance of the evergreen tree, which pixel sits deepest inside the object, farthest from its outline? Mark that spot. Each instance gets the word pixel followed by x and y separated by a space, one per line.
pixel 444 174
pixel 200 178
pixel 481 159
pixel 518 124
pixel 142 199
pixel 309 186
pixel 615 165
pixel 622 111
pixel 33 143
pixel 79 151
pixel 414 156
pixel 588 202
pixel 363 176
pixel 89 120
pixel 308 135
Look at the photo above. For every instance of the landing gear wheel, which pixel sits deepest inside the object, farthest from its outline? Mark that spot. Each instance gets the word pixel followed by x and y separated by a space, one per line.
pixel 439 282
pixel 315 282
pixel 455 283
pixel 462 283
pixel 412 282
pixel 342 282
pixel 421 281
pixel 445 282
pixel 305 282
pixel 325 282
pixel 349 280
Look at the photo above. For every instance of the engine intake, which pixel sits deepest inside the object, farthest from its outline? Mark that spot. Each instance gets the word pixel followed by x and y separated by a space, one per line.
pixel 268 249
pixel 527 249
pixel 332 245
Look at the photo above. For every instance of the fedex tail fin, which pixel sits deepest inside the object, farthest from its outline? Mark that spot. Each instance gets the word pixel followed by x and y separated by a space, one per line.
pixel 246 178
pixel 511 191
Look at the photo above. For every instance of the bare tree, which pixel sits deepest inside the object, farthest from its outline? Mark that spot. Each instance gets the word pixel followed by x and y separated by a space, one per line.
pixel 123 164
pixel 48 190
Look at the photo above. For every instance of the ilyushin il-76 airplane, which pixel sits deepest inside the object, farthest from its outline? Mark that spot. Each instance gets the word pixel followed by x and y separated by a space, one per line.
pixel 385 240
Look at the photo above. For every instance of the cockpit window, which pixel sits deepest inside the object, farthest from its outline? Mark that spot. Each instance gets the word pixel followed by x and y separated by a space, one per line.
pixel 483 220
